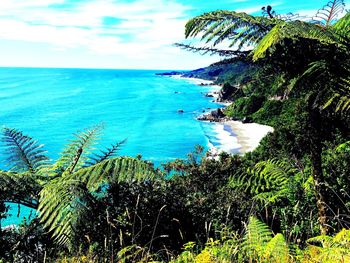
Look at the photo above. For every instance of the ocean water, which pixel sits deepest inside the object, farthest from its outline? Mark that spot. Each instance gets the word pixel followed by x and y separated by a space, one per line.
pixel 52 104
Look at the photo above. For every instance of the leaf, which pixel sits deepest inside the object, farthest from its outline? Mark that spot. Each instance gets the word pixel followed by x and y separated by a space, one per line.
pixel 106 154
pixel 276 249
pixel 24 153
pixel 256 237
pixel 20 188
pixel 326 15
pixel 66 199
pixel 75 154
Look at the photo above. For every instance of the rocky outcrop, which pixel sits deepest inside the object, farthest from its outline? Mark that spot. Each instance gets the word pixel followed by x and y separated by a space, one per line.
pixel 229 93
pixel 215 116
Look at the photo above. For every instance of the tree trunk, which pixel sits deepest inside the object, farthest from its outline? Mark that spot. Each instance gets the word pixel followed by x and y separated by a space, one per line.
pixel 317 173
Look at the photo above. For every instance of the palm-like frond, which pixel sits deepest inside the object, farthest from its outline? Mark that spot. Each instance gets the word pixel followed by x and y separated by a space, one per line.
pixel 116 170
pixel 213 51
pixel 260 246
pixel 239 28
pixel 24 153
pixel 267 181
pixel 61 204
pixel 332 249
pixel 337 92
pixel 105 154
pixel 276 250
pixel 329 12
pixel 76 153
pixel 65 199
pixel 19 188
pixel 292 30
pixel 257 235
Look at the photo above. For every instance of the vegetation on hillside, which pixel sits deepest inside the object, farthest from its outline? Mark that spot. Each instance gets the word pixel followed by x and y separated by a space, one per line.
pixel 288 201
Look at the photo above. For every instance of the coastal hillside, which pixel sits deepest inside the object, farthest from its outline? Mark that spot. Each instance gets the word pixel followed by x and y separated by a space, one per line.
pixel 222 72
pixel 285 200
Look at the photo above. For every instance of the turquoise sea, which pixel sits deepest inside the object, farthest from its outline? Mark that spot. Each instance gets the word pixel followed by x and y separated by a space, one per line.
pixel 52 104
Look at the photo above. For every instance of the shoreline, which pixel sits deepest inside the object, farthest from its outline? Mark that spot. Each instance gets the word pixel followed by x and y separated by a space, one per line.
pixel 249 135
pixel 233 136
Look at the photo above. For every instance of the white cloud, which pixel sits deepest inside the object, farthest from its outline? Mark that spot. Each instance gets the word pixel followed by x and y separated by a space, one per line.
pixel 150 24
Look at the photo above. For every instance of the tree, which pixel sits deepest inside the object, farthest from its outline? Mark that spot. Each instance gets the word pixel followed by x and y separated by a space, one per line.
pixel 66 190
pixel 271 40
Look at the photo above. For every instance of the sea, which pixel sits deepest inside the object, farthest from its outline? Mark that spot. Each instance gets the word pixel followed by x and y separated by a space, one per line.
pixel 53 104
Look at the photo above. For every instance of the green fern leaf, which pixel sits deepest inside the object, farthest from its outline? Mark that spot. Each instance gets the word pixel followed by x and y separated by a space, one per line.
pixel 76 153
pixel 277 250
pixel 66 199
pixel 24 153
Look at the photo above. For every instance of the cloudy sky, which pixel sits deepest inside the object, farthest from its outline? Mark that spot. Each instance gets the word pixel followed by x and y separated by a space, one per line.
pixel 113 33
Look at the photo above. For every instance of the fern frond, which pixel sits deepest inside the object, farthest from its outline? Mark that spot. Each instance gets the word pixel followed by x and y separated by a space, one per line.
pixel 274 36
pixel 332 249
pixel 76 152
pixel 292 30
pixel 213 51
pixel 19 188
pixel 256 237
pixel 66 199
pixel 24 153
pixel 267 181
pixel 106 154
pixel 277 250
pixel 339 94
pixel 61 203
pixel 326 15
pixel 116 170
pixel 221 25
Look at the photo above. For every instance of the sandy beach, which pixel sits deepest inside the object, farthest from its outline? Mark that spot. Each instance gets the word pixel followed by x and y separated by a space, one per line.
pixel 232 136
pixel 248 135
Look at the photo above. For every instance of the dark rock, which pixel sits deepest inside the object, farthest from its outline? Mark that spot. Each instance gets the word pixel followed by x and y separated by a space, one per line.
pixel 209 95
pixel 229 93
pixel 215 116
pixel 218 113
pixel 180 111
pixel 247 120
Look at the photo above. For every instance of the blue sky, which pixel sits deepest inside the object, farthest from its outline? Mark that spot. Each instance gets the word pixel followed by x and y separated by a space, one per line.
pixel 113 33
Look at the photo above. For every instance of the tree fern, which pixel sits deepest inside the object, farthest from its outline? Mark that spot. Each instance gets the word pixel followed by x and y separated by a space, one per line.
pixel 24 153
pixel 342 29
pixel 65 199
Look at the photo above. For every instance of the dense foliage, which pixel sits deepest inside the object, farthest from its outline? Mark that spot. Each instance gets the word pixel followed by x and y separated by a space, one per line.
pixel 288 201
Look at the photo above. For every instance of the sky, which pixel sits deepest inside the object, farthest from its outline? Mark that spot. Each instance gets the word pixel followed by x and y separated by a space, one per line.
pixel 127 34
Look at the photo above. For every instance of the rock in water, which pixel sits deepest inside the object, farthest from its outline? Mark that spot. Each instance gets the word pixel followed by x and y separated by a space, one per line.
pixel 215 115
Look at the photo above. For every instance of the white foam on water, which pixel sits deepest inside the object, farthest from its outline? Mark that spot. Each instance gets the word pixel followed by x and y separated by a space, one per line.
pixel 223 139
